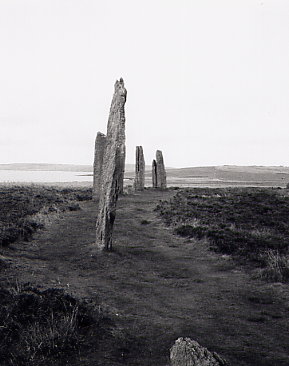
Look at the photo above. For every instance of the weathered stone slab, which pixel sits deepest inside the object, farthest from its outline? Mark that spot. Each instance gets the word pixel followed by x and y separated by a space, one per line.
pixel 139 180
pixel 113 168
pixel 100 142
pixel 187 352
pixel 161 172
pixel 154 174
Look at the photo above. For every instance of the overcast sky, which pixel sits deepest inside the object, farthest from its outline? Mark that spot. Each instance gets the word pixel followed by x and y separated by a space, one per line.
pixel 207 80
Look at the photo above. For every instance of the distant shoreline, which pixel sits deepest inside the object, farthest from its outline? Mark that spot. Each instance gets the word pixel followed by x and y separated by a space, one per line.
pixel 46 167
pixel 131 167
pixel 214 176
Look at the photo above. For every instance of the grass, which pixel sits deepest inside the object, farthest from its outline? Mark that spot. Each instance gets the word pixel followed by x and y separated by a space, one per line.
pixel 38 326
pixel 276 266
pixel 251 223
pixel 51 327
pixel 153 288
pixel 24 209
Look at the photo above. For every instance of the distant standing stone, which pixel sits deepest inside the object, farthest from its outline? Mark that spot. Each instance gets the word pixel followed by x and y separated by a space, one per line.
pixel 154 174
pixel 98 165
pixel 161 172
pixel 113 168
pixel 139 180
pixel 187 352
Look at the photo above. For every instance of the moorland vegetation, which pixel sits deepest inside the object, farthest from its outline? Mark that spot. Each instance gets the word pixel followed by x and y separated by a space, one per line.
pixel 27 208
pixel 44 327
pixel 249 223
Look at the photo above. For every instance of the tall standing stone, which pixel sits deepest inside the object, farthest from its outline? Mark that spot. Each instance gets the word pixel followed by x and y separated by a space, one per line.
pixel 98 165
pixel 161 172
pixel 113 168
pixel 139 180
pixel 154 174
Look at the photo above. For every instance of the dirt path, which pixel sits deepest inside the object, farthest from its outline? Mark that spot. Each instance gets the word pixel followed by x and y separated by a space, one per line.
pixel 161 286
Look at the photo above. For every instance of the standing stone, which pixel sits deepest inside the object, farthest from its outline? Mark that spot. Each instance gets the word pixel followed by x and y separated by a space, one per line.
pixel 121 169
pixel 139 169
pixel 154 174
pixel 113 168
pixel 98 165
pixel 186 352
pixel 161 172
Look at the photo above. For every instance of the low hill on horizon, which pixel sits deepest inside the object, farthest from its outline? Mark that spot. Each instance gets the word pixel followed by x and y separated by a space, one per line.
pixel 57 167
pixel 131 167
pixel 46 167
pixel 225 175
pixel 229 175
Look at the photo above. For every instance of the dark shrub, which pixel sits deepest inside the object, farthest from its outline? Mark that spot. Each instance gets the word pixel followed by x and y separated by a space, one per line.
pixel 145 222
pixel 73 207
pixel 197 232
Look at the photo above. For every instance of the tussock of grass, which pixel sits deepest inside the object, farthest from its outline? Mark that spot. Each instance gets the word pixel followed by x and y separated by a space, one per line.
pixel 248 222
pixel 276 266
pixel 48 327
pixel 24 209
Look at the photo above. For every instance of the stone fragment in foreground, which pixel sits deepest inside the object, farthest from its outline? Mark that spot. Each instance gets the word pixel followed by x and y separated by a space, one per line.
pixel 139 180
pixel 161 172
pixel 154 174
pixel 187 352
pixel 98 165
pixel 113 168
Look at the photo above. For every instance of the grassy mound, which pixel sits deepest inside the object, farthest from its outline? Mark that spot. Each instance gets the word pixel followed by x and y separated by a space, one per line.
pixel 251 223
pixel 24 209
